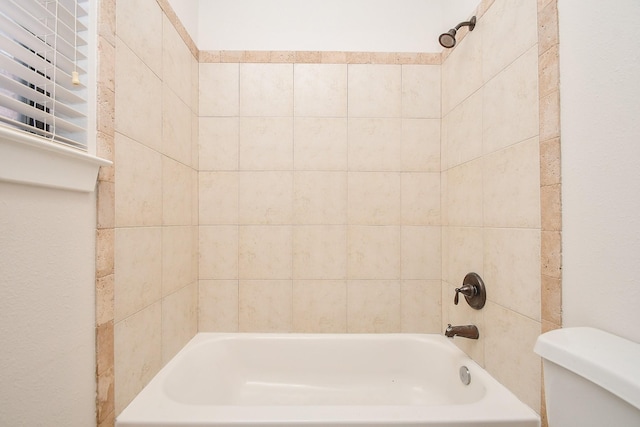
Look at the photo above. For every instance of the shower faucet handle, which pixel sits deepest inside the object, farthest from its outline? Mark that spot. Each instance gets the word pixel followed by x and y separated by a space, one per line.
pixel 467 290
pixel 473 290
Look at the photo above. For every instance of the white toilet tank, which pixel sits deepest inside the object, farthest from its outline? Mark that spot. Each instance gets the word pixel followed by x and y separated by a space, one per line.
pixel 591 378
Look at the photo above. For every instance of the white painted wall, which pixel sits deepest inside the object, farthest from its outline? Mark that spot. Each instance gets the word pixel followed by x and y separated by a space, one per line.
pixel 47 306
pixel 600 96
pixel 323 25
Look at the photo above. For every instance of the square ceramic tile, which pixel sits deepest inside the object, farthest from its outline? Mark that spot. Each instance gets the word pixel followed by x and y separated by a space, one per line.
pixel 176 194
pixel 463 131
pixel 509 339
pixel 463 197
pixel 266 143
pixel 509 30
pixel 195 240
pixel 138 192
pixel 373 252
pixel 219 93
pixel 138 353
pixel 266 197
pixel 420 150
pixel 218 197
pixel 266 90
pixel 464 253
pixel 374 198
pixel 512 266
pixel 375 90
pixel 510 104
pixel 177 258
pixel 219 143
pixel 176 127
pixel 179 320
pixel 320 252
pixel 195 198
pixel 421 91
pixel 265 252
pixel 218 252
pixel 373 306
pixel 421 253
pixel 511 186
pixel 375 144
pixel 176 62
pixel 138 269
pixel 218 306
pixel 320 144
pixel 462 71
pixel 195 85
pixel 463 314
pixel 320 306
pixel 139 25
pixel 320 198
pixel 195 130
pixel 139 116
pixel 444 253
pixel 420 310
pixel 420 198
pixel 265 306
pixel 320 90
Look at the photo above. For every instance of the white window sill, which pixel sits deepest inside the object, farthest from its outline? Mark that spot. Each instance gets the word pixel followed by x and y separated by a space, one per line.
pixel 31 160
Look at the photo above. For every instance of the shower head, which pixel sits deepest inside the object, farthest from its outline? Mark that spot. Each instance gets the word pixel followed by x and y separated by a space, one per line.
pixel 448 39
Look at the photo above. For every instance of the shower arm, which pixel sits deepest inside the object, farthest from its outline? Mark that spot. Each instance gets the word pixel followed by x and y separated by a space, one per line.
pixel 471 24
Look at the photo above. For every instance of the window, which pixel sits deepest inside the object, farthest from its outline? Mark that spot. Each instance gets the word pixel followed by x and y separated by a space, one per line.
pixel 43 68
pixel 46 134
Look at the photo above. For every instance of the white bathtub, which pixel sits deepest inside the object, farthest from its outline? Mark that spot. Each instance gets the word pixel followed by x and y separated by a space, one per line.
pixel 244 380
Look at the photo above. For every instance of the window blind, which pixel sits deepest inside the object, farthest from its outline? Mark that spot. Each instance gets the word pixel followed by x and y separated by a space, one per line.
pixel 43 63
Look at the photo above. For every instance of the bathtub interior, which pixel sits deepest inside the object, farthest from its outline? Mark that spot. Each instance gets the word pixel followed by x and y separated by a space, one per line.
pixel 320 370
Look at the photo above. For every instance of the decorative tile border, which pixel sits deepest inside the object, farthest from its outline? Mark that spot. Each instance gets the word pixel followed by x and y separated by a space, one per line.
pixel 105 223
pixel 550 174
pixel 311 57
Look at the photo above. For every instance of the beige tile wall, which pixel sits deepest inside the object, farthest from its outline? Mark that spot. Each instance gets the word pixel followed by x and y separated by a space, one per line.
pixel 491 190
pixel 297 170
pixel 319 196
pixel 155 290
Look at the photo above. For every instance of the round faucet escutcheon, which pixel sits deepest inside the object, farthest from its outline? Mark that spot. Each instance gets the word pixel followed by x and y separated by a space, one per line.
pixel 474 291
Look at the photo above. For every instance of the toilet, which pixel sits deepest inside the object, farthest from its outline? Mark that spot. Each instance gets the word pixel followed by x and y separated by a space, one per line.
pixel 591 378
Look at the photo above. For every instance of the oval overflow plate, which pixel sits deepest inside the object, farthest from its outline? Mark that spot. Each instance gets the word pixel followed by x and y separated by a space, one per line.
pixel 465 375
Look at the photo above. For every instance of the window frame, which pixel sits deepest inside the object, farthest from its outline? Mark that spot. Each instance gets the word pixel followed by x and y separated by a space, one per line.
pixel 33 160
